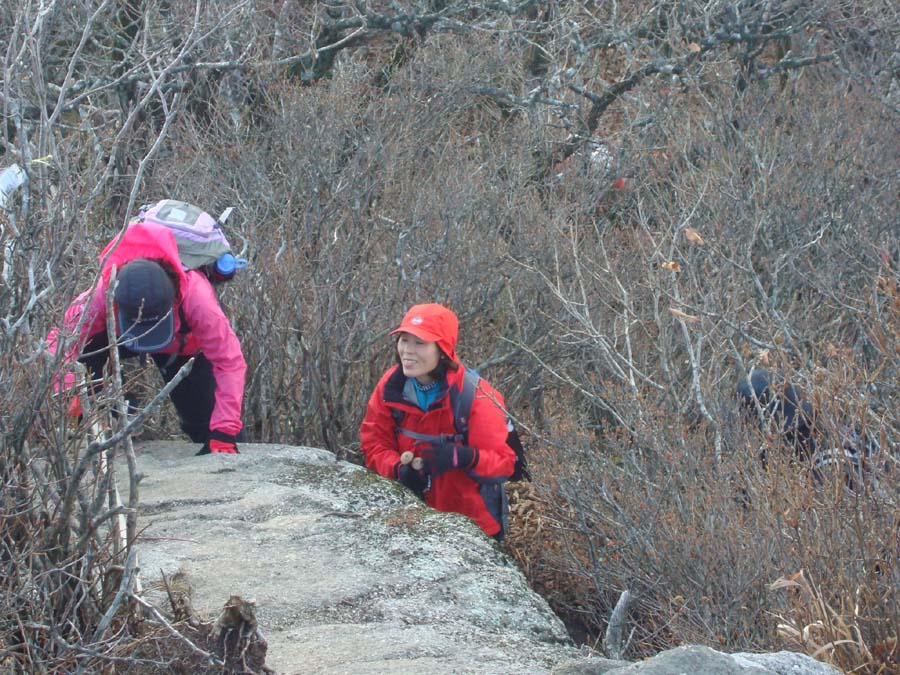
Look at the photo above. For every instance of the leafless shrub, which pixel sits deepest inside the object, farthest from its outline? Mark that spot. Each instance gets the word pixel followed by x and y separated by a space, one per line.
pixel 746 220
pixel 66 529
pixel 629 205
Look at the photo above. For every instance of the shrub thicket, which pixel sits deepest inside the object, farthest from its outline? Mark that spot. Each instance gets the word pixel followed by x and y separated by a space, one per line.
pixel 629 208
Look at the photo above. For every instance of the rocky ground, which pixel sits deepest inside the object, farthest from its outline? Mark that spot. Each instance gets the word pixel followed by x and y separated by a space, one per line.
pixel 349 573
pixel 284 559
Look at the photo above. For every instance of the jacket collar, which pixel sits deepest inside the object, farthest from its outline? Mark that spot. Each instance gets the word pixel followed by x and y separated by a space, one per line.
pixel 399 390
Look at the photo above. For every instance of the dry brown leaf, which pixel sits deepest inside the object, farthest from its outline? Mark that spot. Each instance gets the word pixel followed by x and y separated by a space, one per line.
pixel 693 236
pixel 672 266
pixel 694 47
pixel 787 631
pixel 764 357
pixel 784 582
pixel 681 316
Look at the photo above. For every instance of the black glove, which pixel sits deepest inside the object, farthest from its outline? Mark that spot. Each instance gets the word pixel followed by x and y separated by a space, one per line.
pixel 219 443
pixel 442 456
pixel 412 479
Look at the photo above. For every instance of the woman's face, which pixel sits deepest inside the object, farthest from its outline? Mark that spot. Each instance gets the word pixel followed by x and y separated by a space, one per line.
pixel 417 357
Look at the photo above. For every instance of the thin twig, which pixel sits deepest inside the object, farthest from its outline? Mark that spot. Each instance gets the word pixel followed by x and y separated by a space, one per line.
pixel 124 589
pixel 159 617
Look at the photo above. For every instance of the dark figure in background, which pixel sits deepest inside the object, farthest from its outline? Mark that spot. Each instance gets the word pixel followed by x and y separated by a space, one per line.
pixel 787 407
pixel 793 415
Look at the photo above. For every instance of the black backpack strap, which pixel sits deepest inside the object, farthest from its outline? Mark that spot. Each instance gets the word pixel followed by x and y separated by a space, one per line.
pixel 398 416
pixel 462 406
pixel 183 331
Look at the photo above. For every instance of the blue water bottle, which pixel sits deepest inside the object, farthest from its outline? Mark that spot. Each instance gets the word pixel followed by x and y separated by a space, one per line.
pixel 226 266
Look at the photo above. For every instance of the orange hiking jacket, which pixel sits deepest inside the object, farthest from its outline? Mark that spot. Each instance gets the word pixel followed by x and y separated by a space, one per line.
pixel 455 490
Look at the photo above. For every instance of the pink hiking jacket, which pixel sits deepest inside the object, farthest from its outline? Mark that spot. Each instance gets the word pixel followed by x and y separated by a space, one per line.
pixel 210 332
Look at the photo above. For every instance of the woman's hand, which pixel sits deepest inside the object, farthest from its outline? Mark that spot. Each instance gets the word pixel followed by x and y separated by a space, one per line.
pixel 415 480
pixel 442 456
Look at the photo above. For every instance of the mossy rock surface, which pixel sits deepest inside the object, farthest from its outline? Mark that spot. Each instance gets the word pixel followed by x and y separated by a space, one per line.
pixel 351 573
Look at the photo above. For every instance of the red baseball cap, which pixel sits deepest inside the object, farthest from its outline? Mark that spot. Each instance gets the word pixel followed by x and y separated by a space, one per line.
pixel 432 323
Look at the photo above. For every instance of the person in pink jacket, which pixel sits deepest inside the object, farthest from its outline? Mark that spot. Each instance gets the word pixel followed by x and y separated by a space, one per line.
pixel 411 413
pixel 172 314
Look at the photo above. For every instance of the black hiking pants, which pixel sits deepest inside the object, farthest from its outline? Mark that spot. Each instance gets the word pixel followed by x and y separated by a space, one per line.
pixel 194 397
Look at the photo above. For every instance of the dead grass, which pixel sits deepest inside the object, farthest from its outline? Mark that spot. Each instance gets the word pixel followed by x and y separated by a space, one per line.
pixel 833 634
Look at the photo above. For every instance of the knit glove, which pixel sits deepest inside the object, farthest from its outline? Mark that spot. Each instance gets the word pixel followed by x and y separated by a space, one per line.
pixel 412 479
pixel 442 456
pixel 219 443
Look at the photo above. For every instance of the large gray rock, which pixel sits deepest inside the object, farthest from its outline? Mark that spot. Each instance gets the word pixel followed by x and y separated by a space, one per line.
pixel 351 573
pixel 595 665
pixel 787 663
pixel 697 660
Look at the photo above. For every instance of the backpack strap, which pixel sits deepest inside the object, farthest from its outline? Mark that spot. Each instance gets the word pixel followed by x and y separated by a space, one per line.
pixel 183 331
pixel 430 438
pixel 399 416
pixel 462 406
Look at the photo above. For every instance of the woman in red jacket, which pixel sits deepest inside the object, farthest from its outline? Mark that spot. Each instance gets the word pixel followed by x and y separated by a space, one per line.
pixel 411 411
